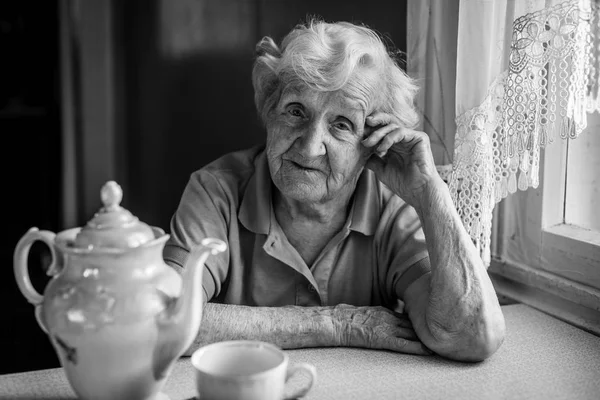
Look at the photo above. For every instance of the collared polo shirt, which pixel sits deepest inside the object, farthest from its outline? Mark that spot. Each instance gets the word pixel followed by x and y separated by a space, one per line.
pixel 377 254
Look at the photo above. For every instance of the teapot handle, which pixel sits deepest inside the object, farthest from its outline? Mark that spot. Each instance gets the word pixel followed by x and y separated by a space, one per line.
pixel 21 256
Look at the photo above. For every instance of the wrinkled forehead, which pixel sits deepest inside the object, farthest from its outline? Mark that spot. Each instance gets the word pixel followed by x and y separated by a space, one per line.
pixel 361 93
pixel 295 88
pixel 366 87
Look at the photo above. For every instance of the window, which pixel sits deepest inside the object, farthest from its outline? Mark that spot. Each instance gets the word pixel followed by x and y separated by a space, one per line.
pixel 582 194
pixel 546 241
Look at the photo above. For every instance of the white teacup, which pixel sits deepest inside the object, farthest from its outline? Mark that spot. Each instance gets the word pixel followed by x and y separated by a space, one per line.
pixel 246 370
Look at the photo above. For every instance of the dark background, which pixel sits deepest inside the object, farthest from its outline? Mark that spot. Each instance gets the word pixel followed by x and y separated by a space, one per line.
pixel 181 109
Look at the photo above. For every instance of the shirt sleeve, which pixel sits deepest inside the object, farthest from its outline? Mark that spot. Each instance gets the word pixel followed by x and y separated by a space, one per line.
pixel 402 250
pixel 203 212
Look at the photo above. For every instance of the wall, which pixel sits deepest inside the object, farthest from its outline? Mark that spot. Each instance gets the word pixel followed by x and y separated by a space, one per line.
pixel 30 128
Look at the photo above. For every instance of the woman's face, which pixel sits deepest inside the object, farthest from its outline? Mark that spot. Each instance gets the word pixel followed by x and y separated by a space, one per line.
pixel 313 144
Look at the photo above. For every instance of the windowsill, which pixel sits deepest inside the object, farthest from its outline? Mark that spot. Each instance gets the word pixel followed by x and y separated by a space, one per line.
pixel 575 233
pixel 567 246
pixel 562 298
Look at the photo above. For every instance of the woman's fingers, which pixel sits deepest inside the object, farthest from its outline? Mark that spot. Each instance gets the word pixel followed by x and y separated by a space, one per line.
pixel 380 124
pixel 387 132
pixel 406 333
pixel 380 118
pixel 388 138
pixel 388 141
pixel 403 319
pixel 378 328
pixel 401 345
pixel 379 134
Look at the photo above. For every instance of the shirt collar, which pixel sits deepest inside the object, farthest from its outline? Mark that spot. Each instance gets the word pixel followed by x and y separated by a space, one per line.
pixel 255 209
pixel 365 206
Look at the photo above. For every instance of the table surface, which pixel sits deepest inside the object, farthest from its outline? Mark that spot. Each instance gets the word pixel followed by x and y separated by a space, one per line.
pixel 541 358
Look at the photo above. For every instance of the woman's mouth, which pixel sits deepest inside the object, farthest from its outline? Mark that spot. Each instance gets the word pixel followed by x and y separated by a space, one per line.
pixel 305 167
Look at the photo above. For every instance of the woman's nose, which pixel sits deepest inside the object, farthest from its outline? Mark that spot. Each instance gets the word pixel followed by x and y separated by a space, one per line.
pixel 312 141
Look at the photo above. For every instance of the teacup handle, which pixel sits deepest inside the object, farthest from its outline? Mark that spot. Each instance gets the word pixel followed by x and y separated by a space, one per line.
pixel 293 370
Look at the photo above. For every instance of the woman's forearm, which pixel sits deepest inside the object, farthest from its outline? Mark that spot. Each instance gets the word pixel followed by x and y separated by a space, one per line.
pixel 463 309
pixel 288 327
pixel 292 327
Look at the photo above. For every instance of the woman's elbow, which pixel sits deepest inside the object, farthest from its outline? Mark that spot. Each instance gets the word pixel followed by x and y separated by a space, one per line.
pixel 495 334
pixel 486 340
pixel 476 343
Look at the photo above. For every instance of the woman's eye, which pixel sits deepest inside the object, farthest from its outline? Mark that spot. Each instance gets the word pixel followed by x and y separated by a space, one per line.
pixel 296 112
pixel 342 126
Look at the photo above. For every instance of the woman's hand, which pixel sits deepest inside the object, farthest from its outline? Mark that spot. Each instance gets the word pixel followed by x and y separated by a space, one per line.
pixel 375 328
pixel 401 158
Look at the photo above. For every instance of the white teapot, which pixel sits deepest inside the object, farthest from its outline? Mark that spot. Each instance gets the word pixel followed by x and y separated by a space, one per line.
pixel 116 314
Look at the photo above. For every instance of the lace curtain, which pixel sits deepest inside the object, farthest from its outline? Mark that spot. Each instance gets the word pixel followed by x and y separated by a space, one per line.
pixel 526 75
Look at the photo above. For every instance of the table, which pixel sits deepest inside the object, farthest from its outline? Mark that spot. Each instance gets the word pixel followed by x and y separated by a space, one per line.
pixel 541 358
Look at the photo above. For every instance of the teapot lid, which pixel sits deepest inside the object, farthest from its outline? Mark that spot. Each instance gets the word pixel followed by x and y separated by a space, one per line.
pixel 113 226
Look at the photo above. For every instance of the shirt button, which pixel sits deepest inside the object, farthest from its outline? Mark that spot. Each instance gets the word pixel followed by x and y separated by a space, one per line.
pixel 311 288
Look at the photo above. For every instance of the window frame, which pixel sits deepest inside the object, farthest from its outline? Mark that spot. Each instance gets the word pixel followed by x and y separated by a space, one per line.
pixel 561 273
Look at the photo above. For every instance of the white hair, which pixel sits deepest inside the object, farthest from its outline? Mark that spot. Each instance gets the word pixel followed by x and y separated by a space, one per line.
pixel 329 57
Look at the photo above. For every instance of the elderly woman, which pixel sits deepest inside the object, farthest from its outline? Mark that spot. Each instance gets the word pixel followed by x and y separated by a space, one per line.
pixel 340 217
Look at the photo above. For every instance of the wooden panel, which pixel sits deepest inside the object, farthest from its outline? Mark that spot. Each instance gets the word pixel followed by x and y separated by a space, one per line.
pixel 192 26
pixel 30 128
pixel 98 130
pixel 184 109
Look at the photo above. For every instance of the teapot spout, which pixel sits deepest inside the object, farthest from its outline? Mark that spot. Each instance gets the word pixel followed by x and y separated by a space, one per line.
pixel 180 321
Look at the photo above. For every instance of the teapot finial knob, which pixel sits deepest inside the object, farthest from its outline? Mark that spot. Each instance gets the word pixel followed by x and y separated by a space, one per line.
pixel 113 226
pixel 111 195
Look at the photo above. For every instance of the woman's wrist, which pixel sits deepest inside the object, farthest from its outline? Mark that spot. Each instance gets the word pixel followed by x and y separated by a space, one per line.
pixel 292 327
pixel 327 327
pixel 436 192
